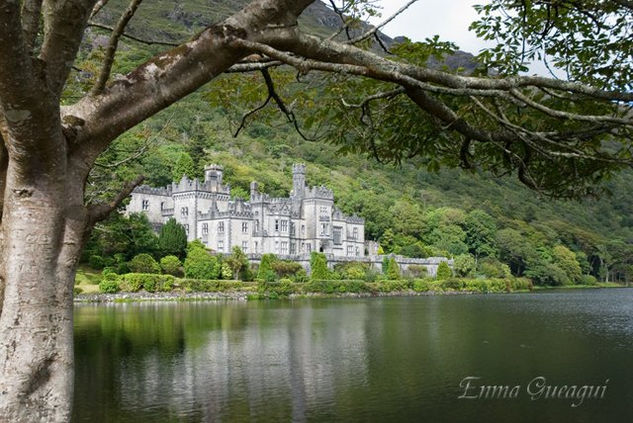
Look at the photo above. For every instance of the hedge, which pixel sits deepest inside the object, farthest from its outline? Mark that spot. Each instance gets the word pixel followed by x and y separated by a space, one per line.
pixel 133 282
pixel 210 285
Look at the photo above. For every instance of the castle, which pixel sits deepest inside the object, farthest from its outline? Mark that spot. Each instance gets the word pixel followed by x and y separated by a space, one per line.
pixel 305 221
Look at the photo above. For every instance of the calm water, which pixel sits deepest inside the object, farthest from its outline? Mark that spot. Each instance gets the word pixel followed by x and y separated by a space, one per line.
pixel 379 359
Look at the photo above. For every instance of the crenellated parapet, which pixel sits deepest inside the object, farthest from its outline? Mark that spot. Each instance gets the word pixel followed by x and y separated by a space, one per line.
pixel 357 220
pixel 320 192
pixel 146 189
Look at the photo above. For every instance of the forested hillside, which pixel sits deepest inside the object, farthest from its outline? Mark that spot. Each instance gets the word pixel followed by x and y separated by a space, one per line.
pixel 412 208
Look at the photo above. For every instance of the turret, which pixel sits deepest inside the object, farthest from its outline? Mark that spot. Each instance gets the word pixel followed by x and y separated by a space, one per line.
pixel 213 176
pixel 213 172
pixel 298 179
pixel 254 190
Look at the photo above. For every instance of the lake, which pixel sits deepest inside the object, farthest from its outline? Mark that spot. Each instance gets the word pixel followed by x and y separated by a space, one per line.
pixel 374 359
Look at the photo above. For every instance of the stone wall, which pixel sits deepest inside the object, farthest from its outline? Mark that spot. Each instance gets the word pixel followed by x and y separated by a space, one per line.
pixel 375 261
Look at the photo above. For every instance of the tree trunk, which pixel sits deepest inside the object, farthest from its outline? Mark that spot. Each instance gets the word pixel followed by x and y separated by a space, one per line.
pixel 41 247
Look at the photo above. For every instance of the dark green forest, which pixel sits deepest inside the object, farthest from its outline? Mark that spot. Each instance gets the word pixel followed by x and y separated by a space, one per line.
pixel 415 208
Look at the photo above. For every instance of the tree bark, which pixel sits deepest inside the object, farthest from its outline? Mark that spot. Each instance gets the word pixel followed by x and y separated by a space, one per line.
pixel 36 327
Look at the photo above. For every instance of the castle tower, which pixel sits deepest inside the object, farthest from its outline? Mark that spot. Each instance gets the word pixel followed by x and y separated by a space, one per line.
pixel 254 189
pixel 298 179
pixel 213 175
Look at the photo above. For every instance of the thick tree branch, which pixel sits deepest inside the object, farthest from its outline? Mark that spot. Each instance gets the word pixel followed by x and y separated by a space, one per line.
pixel 312 47
pixel 98 212
pixel 172 75
pixel 62 36
pixel 108 61
pixel 31 10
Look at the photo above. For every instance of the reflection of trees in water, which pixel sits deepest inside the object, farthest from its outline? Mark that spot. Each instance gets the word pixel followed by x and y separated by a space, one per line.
pixel 218 359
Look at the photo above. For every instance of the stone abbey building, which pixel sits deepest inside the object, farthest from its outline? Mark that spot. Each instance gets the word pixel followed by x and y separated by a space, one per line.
pixel 305 221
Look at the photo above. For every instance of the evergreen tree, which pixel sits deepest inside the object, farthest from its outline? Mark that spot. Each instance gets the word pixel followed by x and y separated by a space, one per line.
pixel 443 271
pixel 184 166
pixel 172 239
pixel 265 271
pixel 393 269
pixel 318 266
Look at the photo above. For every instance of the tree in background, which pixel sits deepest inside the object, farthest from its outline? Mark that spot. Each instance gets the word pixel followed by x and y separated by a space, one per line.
pixel 480 230
pixel 237 261
pixel 565 259
pixel 265 271
pixel 172 239
pixel 464 265
pixel 184 167
pixel 119 234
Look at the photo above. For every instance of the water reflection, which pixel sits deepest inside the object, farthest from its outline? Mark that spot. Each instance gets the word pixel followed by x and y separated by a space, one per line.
pixel 349 360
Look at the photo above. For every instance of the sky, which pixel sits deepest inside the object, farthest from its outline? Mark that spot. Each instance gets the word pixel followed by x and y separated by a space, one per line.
pixel 449 19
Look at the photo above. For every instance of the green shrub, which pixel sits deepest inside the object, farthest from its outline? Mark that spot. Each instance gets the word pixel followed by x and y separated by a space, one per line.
pixel 588 280
pixel 96 262
pixel 199 264
pixel 77 290
pixel 443 271
pixel 522 284
pixel 393 269
pixel 452 283
pixel 150 282
pixel 131 282
pixel 393 286
pixel 209 285
pixel 301 276
pixel 328 286
pixel 318 266
pixel 226 271
pixel 286 268
pixel 493 268
pixel 171 265
pixel 464 265
pixel 109 269
pixel 172 239
pixel 283 288
pixel 421 285
pixel 144 263
pixel 109 284
pixel 476 285
pixel 265 267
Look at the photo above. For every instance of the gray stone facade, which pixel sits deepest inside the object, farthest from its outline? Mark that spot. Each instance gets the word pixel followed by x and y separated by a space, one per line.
pixel 305 221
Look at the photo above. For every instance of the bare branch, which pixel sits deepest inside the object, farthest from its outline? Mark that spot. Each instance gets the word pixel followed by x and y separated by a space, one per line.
pixel 97 8
pixel 374 31
pixel 99 211
pixel 133 37
pixel 253 67
pixel 377 96
pixel 31 21
pixel 566 115
pixel 112 47
pixel 251 113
